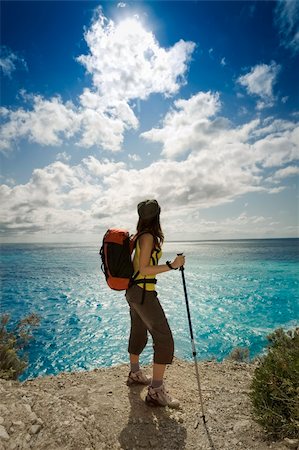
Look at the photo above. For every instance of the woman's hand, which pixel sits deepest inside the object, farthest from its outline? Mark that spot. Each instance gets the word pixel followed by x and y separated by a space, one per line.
pixel 178 262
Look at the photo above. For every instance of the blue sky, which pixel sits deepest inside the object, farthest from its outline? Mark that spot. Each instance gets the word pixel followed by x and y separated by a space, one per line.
pixel 104 104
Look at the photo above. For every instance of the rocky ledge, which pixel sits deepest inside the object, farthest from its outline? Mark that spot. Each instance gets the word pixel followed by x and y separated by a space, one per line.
pixel 96 410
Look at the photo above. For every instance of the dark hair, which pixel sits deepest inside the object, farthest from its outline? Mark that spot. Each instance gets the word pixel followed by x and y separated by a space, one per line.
pixel 153 226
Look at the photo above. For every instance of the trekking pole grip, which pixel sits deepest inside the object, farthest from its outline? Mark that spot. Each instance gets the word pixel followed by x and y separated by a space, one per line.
pixel 182 267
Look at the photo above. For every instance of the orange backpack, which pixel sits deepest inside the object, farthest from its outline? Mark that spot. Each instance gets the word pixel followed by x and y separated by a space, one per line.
pixel 117 265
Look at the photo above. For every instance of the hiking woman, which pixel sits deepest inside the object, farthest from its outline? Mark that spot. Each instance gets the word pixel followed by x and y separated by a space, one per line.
pixel 146 312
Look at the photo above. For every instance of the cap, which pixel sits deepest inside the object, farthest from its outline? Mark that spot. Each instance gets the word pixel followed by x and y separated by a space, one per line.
pixel 148 209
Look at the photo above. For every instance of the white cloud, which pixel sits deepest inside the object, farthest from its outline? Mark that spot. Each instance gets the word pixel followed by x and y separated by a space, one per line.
pixel 224 160
pixel 260 81
pixel 63 156
pixel 102 130
pixel 279 147
pixel 276 190
pixel 49 201
pixel 182 124
pixel 121 5
pixel 88 197
pixel 126 63
pixel 9 61
pixel 47 123
pixel 102 168
pixel 223 62
pixel 285 173
pixel 287 21
pixel 134 157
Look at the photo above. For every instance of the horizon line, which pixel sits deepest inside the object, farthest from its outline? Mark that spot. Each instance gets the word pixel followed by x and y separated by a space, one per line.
pixel 166 242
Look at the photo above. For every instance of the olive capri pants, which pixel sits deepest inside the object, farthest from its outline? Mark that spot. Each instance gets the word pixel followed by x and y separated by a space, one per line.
pixel 149 316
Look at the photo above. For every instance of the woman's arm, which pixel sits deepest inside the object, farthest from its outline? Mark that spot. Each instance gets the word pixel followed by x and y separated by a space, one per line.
pixel 146 243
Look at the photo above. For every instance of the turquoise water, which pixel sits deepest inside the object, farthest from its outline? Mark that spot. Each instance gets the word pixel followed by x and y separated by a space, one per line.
pixel 239 291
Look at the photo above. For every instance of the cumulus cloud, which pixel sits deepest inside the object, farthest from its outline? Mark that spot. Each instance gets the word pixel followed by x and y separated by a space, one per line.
pixel 10 61
pixel 185 122
pixel 49 122
pixel 260 81
pixel 224 162
pixel 126 63
pixel 102 168
pixel 285 173
pixel 287 21
pixel 49 201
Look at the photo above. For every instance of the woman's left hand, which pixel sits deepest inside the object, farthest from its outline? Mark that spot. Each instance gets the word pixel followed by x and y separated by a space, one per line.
pixel 178 262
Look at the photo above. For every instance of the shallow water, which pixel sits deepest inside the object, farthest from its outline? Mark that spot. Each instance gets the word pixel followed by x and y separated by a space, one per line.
pixel 238 291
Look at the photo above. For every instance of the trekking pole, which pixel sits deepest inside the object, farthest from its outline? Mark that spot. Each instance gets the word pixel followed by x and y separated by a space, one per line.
pixel 195 358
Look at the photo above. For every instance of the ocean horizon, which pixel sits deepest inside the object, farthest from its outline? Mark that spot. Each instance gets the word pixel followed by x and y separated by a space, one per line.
pixel 239 291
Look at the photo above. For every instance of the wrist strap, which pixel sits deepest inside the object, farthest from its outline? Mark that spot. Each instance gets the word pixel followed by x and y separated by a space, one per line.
pixel 170 266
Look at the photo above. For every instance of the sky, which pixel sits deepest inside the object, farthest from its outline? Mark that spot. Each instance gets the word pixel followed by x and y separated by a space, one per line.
pixel 105 104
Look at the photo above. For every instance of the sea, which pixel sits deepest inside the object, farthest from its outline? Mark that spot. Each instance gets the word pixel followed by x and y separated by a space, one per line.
pixel 238 291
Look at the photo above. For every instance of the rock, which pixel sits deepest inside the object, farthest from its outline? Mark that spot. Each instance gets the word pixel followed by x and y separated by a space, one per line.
pixel 13 445
pixel 1 420
pixel 3 433
pixel 27 407
pixel 27 437
pixel 35 428
pixel 291 443
pixel 4 410
pixel 33 417
pixel 19 423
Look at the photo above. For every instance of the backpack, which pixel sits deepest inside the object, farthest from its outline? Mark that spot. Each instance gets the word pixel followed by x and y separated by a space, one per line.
pixel 117 265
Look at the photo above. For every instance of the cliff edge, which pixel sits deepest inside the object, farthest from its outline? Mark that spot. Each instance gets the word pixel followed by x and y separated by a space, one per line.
pixel 96 410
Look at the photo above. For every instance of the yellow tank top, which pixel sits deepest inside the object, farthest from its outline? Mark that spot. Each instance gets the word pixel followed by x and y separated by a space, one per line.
pixel 156 255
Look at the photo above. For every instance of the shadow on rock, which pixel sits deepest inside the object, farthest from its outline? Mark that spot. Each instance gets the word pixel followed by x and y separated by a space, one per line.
pixel 151 427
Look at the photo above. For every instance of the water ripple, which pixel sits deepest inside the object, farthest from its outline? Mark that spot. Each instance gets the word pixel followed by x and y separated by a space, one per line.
pixel 238 291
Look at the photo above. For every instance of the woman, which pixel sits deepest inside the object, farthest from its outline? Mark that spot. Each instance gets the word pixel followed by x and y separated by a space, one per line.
pixel 145 309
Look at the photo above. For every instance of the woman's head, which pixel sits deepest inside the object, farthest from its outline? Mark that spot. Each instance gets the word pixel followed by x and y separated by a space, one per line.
pixel 149 219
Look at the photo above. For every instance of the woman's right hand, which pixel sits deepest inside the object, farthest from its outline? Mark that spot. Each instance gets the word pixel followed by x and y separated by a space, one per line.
pixel 178 262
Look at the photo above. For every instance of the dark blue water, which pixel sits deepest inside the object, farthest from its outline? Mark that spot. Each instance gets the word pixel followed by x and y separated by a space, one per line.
pixel 239 291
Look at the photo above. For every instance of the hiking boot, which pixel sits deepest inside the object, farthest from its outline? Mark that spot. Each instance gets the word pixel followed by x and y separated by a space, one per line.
pixel 138 378
pixel 160 397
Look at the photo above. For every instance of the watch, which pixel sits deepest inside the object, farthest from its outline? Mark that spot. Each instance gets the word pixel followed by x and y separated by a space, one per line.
pixel 170 266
